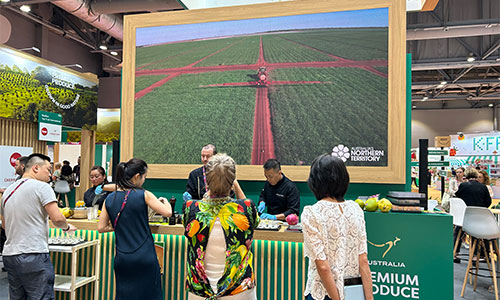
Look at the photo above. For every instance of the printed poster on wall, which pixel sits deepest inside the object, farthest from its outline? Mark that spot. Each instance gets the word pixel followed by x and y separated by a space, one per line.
pixel 8 157
pixel 29 84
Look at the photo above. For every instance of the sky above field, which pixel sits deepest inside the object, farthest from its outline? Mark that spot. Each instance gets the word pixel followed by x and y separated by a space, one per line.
pixel 10 58
pixel 176 33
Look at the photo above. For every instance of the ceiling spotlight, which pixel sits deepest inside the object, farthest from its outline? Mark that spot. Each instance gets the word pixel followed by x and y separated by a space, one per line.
pixel 440 86
pixel 113 53
pixel 490 105
pixel 471 57
pixel 414 106
pixel 443 82
pixel 497 59
pixel 102 45
pixel 31 48
pixel 25 8
pixel 74 65
pixel 445 28
pixel 425 98
pixel 5 1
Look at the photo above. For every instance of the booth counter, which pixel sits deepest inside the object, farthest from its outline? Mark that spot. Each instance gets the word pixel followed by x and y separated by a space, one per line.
pixel 410 257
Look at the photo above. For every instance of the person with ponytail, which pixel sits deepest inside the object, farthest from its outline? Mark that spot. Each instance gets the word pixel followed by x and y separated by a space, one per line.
pixel 125 211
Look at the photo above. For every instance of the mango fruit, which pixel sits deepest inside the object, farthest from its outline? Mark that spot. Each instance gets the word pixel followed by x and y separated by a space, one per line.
pixel 360 202
pixel 371 204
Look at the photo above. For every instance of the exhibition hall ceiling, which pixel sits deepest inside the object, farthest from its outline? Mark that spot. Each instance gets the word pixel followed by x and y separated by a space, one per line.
pixel 454 44
pixel 455 55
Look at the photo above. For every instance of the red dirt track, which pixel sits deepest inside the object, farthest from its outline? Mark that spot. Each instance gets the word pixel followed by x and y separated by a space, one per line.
pixel 263 141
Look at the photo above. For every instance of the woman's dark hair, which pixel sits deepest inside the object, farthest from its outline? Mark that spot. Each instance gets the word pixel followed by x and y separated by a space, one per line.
pixel 101 171
pixel 66 170
pixel 328 177
pixel 126 170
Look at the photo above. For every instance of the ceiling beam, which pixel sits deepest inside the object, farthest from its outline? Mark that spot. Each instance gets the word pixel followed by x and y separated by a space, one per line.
pixel 446 32
pixel 462 84
pixel 454 65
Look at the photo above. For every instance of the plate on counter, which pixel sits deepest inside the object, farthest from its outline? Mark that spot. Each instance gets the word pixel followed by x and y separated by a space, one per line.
pixel 269 225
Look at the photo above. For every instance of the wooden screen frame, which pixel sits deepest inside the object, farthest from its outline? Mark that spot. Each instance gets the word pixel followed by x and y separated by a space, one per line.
pixel 394 172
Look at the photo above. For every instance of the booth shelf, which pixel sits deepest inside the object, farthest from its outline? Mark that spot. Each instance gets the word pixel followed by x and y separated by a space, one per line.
pixel 70 283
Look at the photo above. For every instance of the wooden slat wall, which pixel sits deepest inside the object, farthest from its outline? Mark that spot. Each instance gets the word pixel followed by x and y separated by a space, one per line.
pixel 22 134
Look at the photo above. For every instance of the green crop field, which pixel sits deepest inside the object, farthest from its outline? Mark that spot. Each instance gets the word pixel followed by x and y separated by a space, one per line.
pixel 21 96
pixel 244 52
pixel 180 54
pixel 143 82
pixel 277 49
pixel 309 120
pixel 349 107
pixel 174 121
pixel 381 69
pixel 354 44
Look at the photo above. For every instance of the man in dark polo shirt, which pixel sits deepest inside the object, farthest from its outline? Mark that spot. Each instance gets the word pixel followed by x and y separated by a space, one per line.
pixel 279 195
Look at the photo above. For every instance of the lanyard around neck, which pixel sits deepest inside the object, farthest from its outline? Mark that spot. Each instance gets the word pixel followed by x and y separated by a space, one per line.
pixel 8 197
pixel 205 179
pixel 121 209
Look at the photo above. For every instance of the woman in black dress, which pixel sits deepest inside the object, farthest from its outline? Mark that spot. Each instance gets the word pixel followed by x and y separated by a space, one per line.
pixel 125 212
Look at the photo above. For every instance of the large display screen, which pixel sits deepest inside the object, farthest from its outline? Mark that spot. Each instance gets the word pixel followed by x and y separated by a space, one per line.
pixel 279 85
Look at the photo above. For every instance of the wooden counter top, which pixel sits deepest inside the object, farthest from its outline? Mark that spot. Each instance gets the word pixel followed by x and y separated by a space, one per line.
pixel 282 235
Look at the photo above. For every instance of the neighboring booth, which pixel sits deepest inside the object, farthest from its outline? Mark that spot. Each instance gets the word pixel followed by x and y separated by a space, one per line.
pixel 30 86
pixel 480 150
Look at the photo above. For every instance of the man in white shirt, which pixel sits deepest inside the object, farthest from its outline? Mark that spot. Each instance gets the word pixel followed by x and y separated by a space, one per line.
pixel 24 210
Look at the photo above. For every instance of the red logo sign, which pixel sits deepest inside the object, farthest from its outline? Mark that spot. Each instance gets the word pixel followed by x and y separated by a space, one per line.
pixel 44 131
pixel 13 159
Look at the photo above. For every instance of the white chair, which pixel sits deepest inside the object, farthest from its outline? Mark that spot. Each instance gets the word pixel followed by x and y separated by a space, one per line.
pixel 480 223
pixel 431 204
pixel 457 210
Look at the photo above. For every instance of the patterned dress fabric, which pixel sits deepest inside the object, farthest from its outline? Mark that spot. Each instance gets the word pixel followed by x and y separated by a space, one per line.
pixel 334 232
pixel 238 219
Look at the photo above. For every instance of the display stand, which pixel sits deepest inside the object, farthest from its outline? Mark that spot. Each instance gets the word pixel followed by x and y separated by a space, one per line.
pixel 70 283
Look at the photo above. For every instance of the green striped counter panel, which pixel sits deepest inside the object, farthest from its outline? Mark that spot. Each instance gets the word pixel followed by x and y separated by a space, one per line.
pixel 406 253
pixel 280 266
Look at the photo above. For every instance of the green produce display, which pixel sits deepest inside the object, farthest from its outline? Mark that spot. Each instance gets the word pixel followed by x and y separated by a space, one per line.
pixel 371 204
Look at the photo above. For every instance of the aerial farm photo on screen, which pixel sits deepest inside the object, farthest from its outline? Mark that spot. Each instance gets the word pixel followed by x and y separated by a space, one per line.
pixel 288 87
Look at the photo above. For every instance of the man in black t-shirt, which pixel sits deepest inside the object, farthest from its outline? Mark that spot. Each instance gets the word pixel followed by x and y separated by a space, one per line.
pixel 279 195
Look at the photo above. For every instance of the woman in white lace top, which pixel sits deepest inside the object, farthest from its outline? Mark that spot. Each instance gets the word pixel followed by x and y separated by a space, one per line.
pixel 334 234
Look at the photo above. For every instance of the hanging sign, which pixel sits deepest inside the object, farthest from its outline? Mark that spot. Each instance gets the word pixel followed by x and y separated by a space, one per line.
pixel 49 126
pixel 476 144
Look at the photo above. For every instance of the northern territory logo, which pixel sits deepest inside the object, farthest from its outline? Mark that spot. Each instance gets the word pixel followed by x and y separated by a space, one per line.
pixel 341 152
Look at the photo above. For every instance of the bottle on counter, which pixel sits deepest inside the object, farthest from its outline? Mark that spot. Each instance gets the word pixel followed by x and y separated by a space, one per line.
pixel 172 219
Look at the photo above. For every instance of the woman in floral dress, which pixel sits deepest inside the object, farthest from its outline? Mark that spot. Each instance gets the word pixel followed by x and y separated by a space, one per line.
pixel 220 233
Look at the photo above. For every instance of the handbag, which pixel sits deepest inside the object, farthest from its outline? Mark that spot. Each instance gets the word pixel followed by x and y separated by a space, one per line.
pixel 353 289
pixel 445 201
pixel 62 187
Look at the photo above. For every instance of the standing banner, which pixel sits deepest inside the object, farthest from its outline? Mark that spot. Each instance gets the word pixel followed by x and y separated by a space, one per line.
pixel 49 126
pixel 8 157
